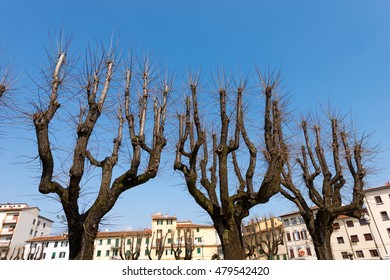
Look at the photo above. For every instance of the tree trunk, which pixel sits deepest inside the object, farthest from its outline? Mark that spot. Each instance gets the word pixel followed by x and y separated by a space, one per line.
pixel 231 240
pixel 321 239
pixel 81 242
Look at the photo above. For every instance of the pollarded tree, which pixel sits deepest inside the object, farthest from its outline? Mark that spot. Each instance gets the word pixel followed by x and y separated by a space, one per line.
pixel 263 236
pixel 332 174
pixel 210 181
pixel 146 145
pixel 183 242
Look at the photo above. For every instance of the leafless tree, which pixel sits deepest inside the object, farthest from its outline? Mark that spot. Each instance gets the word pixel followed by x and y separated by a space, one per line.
pixel 209 181
pixel 332 177
pixel 133 251
pixel 185 243
pixel 145 145
pixel 159 245
pixel 264 237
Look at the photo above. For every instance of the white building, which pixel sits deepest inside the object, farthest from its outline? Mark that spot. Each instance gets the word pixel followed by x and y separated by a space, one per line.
pixel 377 202
pixel 166 237
pixel 353 239
pixel 298 242
pixel 18 223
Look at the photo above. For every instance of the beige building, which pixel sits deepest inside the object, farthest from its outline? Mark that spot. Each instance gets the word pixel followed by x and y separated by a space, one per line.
pixel 264 239
pixel 168 239
pixel 18 223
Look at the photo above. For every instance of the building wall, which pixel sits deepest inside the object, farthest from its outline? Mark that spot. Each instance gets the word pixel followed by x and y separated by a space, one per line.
pixel 352 238
pixel 298 242
pixel 19 222
pixel 378 206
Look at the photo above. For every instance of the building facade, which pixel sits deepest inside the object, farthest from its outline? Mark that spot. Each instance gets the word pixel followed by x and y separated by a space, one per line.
pixel 168 239
pixel 298 242
pixel 264 239
pixel 377 202
pixel 18 223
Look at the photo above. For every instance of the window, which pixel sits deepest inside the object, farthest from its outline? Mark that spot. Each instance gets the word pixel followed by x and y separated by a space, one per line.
pixel 304 234
pixel 197 229
pixel 367 236
pixel 363 222
pixel 359 254
pixel 349 224
pixel 100 242
pixel 34 222
pixel 107 253
pixel 198 250
pixel 354 238
pixel 39 222
pixel 198 239
pixel 340 240
pixel 147 240
pixel 62 255
pixel 296 235
pixel 345 255
pixel 55 244
pixel 44 225
pixel 99 253
pixel 308 250
pixel 159 222
pixel 53 255
pixel 286 222
pixel 116 242
pixel 31 232
pixel 292 253
pixel 374 253
pixel 128 241
pixel 336 226
pixel 169 240
pixel 108 241
pixel 301 220
pixel 384 216
pixel 169 222
pixel 388 232
pixel 293 221
pixel 288 235
pixel 378 200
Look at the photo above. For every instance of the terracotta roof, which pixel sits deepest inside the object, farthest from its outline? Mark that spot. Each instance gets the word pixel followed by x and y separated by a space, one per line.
pixel 125 233
pixel 187 225
pixel 48 238
pixel 377 188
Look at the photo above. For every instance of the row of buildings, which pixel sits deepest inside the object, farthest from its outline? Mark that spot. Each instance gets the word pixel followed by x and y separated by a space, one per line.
pixel 24 234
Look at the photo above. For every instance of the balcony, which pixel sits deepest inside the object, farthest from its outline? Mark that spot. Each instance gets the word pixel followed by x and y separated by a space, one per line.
pixel 4 244
pixel 10 221
pixel 6 232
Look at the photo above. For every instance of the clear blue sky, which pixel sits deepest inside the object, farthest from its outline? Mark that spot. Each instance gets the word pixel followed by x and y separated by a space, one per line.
pixel 328 51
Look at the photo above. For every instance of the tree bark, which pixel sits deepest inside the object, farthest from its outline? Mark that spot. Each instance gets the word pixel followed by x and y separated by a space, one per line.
pixel 231 239
pixel 321 235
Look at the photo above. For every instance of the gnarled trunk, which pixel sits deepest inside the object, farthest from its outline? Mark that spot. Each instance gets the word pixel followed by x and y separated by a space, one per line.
pixel 321 239
pixel 231 239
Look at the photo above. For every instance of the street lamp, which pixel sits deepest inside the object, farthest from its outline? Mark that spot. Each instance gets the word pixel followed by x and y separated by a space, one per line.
pixel 368 220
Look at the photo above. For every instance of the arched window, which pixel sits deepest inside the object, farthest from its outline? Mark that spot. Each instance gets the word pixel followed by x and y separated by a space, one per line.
pixel 296 235
pixel 304 234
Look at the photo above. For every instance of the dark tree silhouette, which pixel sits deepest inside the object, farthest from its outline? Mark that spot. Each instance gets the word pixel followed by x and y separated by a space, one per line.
pixel 323 167
pixel 83 221
pixel 209 181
